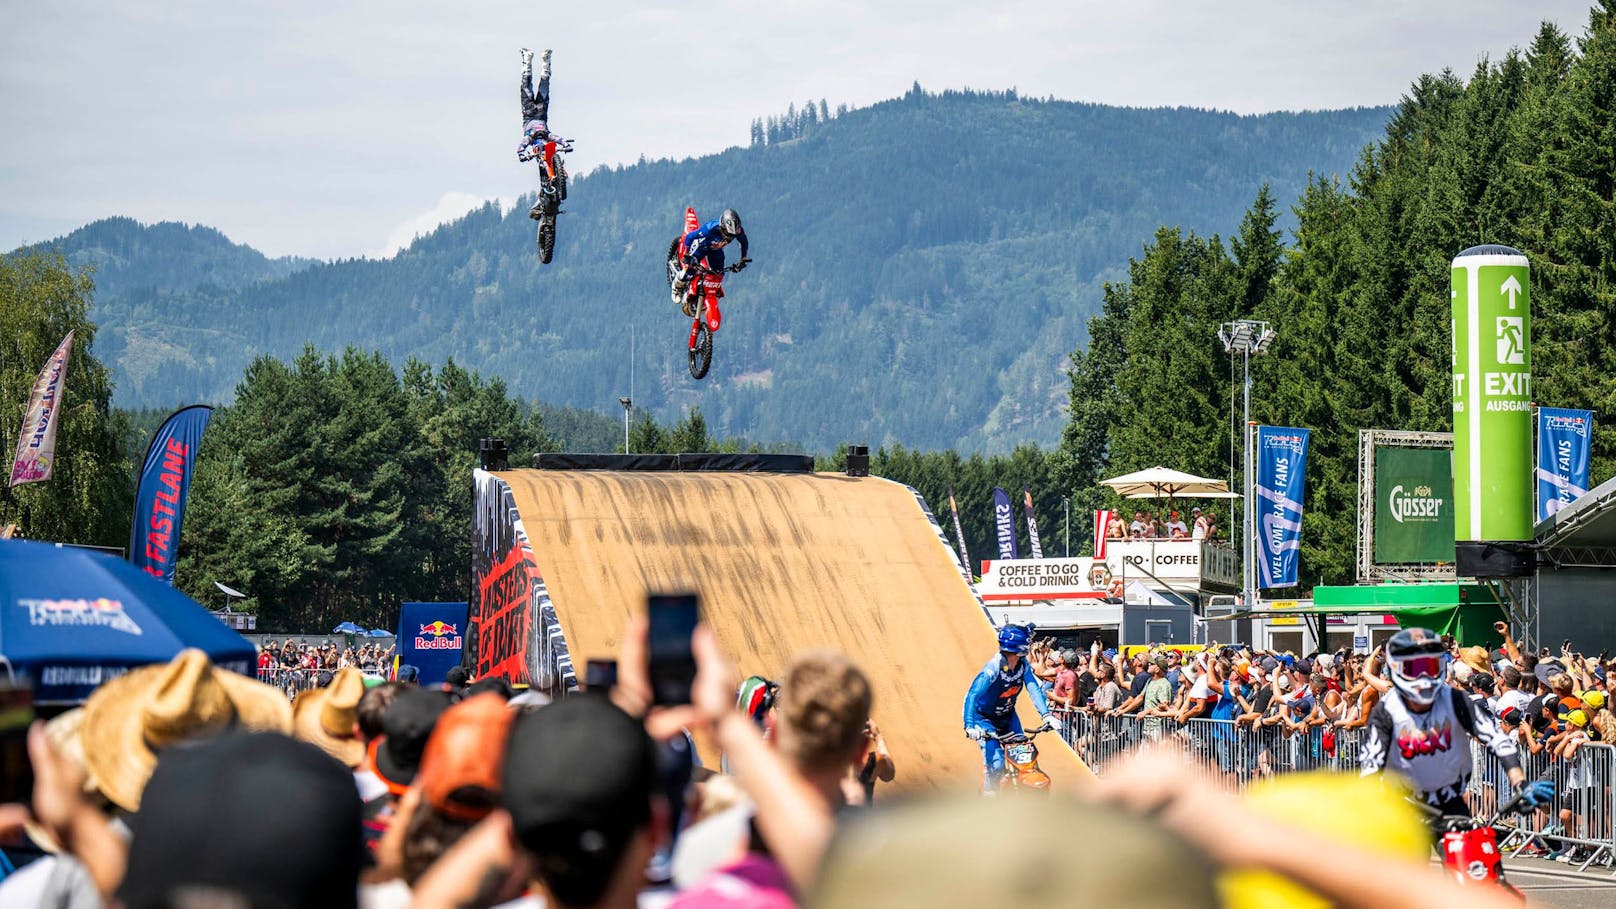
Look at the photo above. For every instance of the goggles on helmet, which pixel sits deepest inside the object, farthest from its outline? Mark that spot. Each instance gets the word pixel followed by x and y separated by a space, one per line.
pixel 1420 667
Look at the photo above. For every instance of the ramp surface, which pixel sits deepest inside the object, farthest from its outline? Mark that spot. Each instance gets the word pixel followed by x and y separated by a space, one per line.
pixel 783 563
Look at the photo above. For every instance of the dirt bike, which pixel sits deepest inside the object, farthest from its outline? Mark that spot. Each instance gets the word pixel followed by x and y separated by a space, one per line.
pixel 1469 845
pixel 701 298
pixel 552 192
pixel 1021 760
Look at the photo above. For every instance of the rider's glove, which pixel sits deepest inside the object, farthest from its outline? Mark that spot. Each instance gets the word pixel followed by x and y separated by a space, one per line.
pixel 1049 721
pixel 974 733
pixel 1538 793
pixel 741 264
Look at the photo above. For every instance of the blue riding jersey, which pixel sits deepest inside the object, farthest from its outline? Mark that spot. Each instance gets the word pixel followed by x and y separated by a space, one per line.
pixel 991 699
pixel 709 238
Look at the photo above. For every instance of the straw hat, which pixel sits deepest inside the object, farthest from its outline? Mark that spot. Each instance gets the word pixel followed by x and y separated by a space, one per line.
pixel 129 719
pixel 326 716
pixel 1475 658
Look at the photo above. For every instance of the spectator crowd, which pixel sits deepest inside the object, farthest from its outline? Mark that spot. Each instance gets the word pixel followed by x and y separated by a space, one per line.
pixel 183 785
pixel 1147 525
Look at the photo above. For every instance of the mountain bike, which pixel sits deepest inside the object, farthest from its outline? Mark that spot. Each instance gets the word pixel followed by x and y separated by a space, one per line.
pixel 1021 769
pixel 552 192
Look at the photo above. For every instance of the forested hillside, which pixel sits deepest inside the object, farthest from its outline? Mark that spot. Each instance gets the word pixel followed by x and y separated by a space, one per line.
pixel 1523 153
pixel 923 268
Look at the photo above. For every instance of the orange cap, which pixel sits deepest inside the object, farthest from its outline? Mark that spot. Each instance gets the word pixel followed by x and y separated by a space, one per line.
pixel 461 765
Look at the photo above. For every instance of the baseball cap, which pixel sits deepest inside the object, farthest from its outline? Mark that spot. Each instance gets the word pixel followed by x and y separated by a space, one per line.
pixel 1325 663
pixel 1510 715
pixel 406 726
pixel 1546 668
pixel 578 780
pixel 1305 667
pixel 1269 664
pixel 460 768
pixel 1577 718
pixel 267 817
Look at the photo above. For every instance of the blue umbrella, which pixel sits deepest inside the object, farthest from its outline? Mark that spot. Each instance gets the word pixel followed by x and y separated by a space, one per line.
pixel 347 628
pixel 378 633
pixel 73 618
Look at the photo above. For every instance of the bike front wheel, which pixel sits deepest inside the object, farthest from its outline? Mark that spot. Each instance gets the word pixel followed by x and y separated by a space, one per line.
pixel 701 353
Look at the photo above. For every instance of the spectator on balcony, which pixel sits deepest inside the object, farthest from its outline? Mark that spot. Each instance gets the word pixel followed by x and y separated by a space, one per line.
pixel 1153 529
pixel 1116 529
pixel 1175 527
pixel 1136 530
pixel 1201 522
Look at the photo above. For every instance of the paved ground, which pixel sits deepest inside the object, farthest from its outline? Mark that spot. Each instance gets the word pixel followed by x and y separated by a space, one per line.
pixel 1553 884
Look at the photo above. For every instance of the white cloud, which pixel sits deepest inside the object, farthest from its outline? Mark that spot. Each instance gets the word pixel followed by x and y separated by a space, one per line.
pixel 451 206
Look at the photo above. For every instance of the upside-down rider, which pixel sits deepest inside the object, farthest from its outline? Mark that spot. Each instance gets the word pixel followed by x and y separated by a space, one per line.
pixel 1421 729
pixel 990 704
pixel 705 245
pixel 535 117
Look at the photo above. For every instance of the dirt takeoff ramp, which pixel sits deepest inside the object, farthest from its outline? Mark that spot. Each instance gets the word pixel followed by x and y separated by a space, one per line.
pixel 784 563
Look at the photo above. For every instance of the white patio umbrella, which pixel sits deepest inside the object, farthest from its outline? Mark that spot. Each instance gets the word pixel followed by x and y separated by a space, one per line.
pixel 1164 483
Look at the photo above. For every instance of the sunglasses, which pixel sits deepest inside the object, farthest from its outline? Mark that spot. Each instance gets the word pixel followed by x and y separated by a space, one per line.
pixel 1422 667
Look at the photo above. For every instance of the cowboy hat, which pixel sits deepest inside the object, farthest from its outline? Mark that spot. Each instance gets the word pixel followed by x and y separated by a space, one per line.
pixel 1475 658
pixel 326 716
pixel 129 719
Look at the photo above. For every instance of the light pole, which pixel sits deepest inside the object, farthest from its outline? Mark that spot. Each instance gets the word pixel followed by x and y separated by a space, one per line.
pixel 1066 522
pixel 628 405
pixel 1246 337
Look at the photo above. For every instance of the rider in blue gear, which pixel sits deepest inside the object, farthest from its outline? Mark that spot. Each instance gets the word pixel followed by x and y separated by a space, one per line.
pixel 990 704
pixel 706 245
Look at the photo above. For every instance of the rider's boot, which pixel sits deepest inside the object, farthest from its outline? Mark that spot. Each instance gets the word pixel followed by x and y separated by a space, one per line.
pixel 537 211
pixel 679 294
pixel 544 64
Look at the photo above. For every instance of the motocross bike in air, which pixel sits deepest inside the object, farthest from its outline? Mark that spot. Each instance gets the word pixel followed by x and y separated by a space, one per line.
pixel 701 298
pixel 552 192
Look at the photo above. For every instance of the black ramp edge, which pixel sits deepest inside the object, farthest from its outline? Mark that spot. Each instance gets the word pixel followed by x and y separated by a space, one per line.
pixel 696 461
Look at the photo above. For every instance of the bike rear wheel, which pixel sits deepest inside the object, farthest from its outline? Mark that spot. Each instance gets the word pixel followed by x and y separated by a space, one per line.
pixel 701 356
pixel 547 239
pixel 560 179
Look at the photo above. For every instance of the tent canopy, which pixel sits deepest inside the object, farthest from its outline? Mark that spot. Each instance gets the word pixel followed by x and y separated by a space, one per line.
pixel 1164 483
pixel 72 618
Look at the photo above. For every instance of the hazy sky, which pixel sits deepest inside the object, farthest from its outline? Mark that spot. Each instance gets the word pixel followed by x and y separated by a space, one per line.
pixel 340 129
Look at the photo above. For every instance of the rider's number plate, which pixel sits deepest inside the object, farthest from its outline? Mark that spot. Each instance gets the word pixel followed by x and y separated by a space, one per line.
pixel 1021 754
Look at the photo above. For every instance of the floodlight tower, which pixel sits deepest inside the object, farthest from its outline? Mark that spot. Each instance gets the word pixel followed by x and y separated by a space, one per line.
pixel 1247 337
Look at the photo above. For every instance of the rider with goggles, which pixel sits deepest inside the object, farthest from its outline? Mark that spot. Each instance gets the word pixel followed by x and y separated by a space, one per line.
pixel 990 704
pixel 706 245
pixel 1421 729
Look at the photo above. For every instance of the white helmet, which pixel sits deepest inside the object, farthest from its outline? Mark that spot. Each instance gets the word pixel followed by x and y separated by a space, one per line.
pixel 1418 664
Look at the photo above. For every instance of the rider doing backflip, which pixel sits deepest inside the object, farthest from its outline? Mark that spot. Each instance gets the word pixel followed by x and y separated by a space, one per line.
pixel 1421 729
pixel 705 245
pixel 535 116
pixel 990 704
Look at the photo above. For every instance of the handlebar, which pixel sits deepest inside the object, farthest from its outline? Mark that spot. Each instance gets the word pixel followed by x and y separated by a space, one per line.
pixel 1015 738
pixel 703 269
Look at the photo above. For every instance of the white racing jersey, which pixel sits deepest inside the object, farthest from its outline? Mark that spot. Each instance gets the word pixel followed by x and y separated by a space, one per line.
pixel 1432 749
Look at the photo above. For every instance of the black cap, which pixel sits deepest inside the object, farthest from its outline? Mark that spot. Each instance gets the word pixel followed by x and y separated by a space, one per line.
pixel 272 819
pixel 406 726
pixel 578 780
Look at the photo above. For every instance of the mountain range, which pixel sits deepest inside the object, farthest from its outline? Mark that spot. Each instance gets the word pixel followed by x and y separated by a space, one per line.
pixel 922 269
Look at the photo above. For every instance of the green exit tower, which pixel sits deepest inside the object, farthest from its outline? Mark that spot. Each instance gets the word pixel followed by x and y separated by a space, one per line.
pixel 1492 406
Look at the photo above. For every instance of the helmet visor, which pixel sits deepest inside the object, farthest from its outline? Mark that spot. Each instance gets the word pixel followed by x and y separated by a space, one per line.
pixel 1420 667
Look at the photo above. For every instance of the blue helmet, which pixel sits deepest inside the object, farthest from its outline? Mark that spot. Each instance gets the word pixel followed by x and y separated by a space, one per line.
pixel 1014 638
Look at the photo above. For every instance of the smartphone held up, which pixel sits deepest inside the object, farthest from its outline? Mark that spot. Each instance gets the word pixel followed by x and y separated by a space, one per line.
pixel 672 619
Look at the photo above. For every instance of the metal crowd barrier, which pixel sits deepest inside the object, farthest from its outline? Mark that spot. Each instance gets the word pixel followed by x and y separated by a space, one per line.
pixel 1581 825
pixel 290 681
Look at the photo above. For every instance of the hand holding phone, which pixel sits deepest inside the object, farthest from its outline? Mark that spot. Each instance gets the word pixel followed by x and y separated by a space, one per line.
pixel 672 620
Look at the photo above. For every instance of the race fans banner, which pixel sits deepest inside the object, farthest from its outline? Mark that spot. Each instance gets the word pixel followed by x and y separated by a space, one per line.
pixel 165 478
pixel 1004 524
pixel 36 446
pixel 1281 484
pixel 965 557
pixel 1032 525
pixel 1564 442
pixel 432 638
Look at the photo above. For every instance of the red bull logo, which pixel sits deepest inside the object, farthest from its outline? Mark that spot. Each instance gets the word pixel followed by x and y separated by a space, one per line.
pixel 438 635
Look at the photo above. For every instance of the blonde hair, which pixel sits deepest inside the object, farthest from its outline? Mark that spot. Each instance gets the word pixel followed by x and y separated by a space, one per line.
pixel 823 707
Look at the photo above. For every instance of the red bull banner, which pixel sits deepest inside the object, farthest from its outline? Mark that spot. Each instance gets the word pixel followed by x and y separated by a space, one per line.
pixel 36 446
pixel 432 637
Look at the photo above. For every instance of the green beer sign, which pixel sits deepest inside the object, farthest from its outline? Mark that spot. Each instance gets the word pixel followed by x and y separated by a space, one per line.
pixel 1492 395
pixel 1413 505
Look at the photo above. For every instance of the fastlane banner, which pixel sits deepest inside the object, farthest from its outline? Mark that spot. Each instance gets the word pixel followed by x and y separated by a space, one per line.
pixel 432 638
pixel 1004 524
pixel 1281 484
pixel 165 478
pixel 36 445
pixel 965 557
pixel 1032 525
pixel 1564 443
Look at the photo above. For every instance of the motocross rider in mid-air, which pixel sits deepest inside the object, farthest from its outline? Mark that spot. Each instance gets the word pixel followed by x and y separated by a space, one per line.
pixel 990 704
pixel 705 245
pixel 1421 729
pixel 535 117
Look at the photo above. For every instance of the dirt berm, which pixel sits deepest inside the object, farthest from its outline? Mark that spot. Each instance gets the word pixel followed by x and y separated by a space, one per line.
pixel 783 563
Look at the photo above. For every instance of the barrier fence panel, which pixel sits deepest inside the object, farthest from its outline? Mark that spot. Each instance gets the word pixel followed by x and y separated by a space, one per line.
pixel 1580 828
pixel 290 681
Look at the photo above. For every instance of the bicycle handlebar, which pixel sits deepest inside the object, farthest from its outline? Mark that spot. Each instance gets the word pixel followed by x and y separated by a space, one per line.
pixel 1011 738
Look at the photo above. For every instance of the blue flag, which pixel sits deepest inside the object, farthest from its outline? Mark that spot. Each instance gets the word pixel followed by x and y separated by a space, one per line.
pixel 1564 442
pixel 1281 484
pixel 165 478
pixel 1004 523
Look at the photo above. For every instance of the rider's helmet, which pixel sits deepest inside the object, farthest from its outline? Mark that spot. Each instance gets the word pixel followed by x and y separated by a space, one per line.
pixel 755 697
pixel 1014 638
pixel 1418 663
pixel 535 130
pixel 729 223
